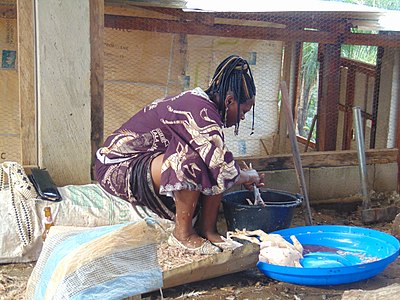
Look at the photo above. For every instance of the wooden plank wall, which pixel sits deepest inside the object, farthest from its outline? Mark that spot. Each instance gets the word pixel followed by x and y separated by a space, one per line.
pixel 9 106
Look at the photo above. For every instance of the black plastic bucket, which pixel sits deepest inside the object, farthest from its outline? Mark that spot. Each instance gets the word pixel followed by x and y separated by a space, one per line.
pixel 277 214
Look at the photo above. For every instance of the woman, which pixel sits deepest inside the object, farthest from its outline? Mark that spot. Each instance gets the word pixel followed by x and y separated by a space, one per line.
pixel 171 156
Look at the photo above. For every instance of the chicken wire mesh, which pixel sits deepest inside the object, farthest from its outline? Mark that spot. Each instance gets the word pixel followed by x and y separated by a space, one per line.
pixel 152 52
pixel 167 63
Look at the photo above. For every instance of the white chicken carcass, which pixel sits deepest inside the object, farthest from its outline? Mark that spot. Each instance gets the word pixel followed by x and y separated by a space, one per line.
pixel 277 251
pixel 274 249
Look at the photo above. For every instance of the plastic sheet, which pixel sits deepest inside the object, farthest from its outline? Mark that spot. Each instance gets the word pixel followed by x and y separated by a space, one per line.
pixel 108 262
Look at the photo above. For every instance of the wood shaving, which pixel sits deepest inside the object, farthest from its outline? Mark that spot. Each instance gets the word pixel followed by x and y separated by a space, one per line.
pixel 12 287
pixel 170 257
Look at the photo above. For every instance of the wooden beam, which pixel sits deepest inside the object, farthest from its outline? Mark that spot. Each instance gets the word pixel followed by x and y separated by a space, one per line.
pixel 362 67
pixel 321 159
pixel 348 112
pixel 365 39
pixel 328 96
pixel 96 76
pixel 249 32
pixel 310 19
pixel 227 262
pixel 26 72
pixel 340 22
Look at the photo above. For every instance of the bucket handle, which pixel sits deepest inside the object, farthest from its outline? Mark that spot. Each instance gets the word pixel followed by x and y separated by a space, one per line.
pixel 298 201
pixel 299 198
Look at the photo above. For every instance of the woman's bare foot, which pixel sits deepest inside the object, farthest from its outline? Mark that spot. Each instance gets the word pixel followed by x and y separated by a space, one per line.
pixel 194 243
pixel 213 237
pixel 223 243
pixel 191 240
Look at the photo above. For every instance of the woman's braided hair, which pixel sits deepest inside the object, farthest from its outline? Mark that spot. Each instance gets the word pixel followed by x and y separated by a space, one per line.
pixel 232 74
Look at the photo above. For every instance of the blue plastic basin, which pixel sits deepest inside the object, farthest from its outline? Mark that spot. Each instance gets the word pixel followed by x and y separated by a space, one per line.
pixel 355 254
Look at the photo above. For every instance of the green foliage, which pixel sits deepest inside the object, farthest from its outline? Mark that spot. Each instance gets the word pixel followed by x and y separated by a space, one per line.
pixel 309 64
pixel 386 4
pixel 365 54
pixel 309 88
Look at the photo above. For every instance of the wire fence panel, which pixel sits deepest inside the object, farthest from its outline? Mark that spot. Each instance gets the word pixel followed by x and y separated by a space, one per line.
pixel 331 62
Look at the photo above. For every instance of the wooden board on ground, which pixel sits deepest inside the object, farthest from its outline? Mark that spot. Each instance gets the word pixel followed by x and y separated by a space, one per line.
pixel 228 262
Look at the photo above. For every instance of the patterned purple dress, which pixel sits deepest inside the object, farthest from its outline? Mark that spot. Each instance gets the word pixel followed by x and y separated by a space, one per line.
pixel 187 128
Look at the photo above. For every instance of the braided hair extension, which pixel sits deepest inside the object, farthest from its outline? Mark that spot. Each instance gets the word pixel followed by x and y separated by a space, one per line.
pixel 233 74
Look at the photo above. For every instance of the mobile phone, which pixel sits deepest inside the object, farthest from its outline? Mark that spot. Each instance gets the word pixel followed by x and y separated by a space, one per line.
pixel 44 185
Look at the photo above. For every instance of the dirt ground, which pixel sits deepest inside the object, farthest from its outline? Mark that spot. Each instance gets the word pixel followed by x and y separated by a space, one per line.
pixel 252 284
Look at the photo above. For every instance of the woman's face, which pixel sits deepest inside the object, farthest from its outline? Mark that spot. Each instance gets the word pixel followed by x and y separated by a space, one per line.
pixel 232 106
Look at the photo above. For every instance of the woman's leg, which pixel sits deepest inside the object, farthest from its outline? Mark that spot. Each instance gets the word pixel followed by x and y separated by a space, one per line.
pixel 207 223
pixel 185 202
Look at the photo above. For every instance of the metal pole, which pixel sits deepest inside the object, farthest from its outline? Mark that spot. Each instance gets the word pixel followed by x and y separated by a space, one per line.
pixel 358 126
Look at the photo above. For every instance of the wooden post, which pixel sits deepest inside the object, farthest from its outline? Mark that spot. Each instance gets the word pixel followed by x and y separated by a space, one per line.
pixel 289 60
pixel 328 96
pixel 298 57
pixel 378 74
pixel 96 76
pixel 348 113
pixel 26 73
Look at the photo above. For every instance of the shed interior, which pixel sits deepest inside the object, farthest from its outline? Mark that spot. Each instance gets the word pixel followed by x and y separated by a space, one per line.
pixel 66 84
